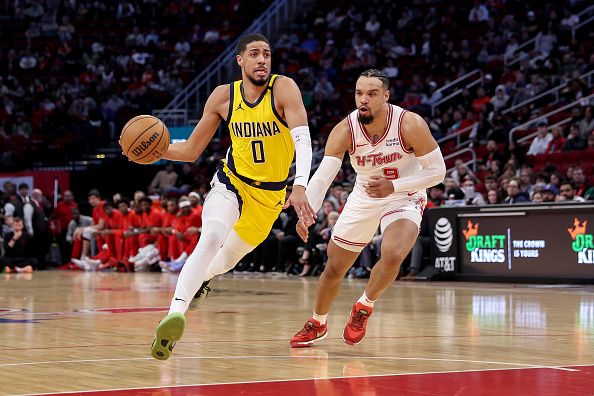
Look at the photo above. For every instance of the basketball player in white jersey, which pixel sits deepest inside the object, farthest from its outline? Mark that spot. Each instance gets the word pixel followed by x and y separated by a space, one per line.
pixel 396 159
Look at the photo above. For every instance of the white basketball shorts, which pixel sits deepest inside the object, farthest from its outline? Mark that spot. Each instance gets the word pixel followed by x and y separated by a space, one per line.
pixel 362 215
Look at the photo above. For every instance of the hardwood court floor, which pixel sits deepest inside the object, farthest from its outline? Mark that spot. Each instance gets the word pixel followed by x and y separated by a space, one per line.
pixel 73 332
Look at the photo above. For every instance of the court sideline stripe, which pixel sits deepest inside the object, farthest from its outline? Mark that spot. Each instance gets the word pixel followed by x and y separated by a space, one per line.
pixel 284 339
pixel 240 357
pixel 302 379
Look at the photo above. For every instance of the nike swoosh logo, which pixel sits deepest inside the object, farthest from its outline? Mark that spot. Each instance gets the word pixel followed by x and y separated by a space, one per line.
pixel 412 193
pixel 179 299
pixel 361 145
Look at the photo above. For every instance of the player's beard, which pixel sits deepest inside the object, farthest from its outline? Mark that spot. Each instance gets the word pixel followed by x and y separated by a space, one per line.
pixel 365 120
pixel 258 83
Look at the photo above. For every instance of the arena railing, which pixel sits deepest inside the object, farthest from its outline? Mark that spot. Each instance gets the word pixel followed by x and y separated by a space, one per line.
pixel 192 98
pixel 545 117
pixel 586 77
pixel 458 135
pixel 470 163
pixel 558 124
pixel 585 22
pixel 515 56
pixel 478 79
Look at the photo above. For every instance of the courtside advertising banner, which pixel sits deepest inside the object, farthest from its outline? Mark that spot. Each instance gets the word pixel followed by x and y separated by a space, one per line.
pixel 532 244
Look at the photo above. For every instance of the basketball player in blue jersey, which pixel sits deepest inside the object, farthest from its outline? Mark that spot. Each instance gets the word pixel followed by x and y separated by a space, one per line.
pixel 268 126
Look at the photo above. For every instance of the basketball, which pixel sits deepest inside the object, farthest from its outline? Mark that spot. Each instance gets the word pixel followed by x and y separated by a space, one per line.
pixel 144 139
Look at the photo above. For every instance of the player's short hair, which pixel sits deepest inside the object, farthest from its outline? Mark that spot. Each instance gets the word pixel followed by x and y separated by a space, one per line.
pixel 124 201
pixel 94 193
pixel 23 185
pixel 147 200
pixel 17 219
pixel 383 77
pixel 107 204
pixel 243 42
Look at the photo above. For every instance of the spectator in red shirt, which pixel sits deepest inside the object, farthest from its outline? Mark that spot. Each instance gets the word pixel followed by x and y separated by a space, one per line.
pixel 114 224
pixel 132 225
pixel 151 223
pixel 63 215
pixel 481 100
pixel 556 145
pixel 195 200
pixel 169 218
pixel 187 227
pixel 63 211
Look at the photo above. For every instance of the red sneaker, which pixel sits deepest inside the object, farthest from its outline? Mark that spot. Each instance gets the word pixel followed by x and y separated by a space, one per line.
pixel 355 329
pixel 312 332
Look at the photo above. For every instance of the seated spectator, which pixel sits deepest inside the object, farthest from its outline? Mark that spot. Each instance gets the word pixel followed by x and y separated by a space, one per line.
pixel 586 125
pixel 499 101
pixel 149 235
pixel 555 179
pixel 163 180
pixel 567 193
pixel 470 195
pixel 537 196
pixel 492 154
pixel 558 142
pixel 541 142
pixel 580 183
pixel 318 242
pixel 436 196
pixel 493 197
pixel 574 140
pixel 87 233
pixel 196 202
pixel 514 194
pixel 549 193
pixel 490 183
pixel 15 249
pixel 461 171
pixel 74 234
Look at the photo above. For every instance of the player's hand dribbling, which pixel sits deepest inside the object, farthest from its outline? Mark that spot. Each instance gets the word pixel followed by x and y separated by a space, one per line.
pixel 299 201
pixel 302 230
pixel 379 187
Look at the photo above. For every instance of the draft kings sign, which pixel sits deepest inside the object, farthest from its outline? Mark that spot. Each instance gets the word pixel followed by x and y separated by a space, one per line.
pixel 484 248
pixel 583 243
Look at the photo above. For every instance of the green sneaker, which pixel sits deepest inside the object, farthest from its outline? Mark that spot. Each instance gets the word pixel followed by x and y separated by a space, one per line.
pixel 200 296
pixel 169 330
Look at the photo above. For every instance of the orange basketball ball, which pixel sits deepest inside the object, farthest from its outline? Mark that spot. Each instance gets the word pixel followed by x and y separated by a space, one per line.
pixel 144 139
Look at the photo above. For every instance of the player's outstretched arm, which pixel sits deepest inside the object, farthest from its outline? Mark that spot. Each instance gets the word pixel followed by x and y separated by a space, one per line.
pixel 418 138
pixel 338 142
pixel 214 111
pixel 289 98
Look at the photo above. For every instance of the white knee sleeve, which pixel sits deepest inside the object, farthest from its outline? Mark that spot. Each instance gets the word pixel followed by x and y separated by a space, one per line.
pixel 234 249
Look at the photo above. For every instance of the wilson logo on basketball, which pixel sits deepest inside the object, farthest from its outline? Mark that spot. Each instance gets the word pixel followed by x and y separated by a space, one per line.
pixel 143 146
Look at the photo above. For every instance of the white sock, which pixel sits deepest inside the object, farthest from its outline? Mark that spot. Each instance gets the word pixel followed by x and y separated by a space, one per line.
pixel 194 271
pixel 366 301
pixel 320 318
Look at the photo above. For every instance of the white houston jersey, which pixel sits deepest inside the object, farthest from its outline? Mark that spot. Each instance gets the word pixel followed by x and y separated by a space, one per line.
pixel 386 157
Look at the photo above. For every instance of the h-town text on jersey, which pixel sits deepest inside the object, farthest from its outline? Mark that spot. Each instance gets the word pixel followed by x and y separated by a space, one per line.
pixel 377 159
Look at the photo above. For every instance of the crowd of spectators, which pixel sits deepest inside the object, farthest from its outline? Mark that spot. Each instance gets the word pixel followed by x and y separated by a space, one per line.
pixel 72 72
